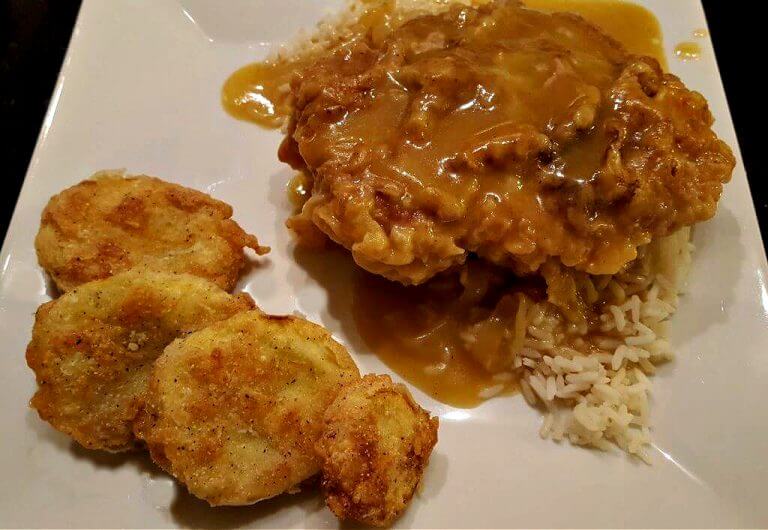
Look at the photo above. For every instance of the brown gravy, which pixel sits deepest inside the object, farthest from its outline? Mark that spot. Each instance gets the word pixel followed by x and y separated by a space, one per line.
pixel 257 92
pixel 700 33
pixel 411 329
pixel 633 25
pixel 417 333
pixel 688 51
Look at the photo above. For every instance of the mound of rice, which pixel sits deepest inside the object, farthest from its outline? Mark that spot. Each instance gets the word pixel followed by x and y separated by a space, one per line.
pixel 592 383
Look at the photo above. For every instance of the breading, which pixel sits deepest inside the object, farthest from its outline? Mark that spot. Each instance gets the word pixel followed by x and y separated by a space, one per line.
pixel 499 131
pixel 111 223
pixel 234 410
pixel 375 445
pixel 92 349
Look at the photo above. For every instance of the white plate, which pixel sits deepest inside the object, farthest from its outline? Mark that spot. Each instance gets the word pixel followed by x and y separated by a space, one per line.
pixel 140 89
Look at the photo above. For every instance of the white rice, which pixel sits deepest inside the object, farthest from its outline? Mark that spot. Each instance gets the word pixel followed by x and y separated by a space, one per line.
pixel 491 391
pixel 594 392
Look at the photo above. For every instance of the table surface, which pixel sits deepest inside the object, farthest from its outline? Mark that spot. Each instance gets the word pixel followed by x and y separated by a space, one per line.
pixel 34 36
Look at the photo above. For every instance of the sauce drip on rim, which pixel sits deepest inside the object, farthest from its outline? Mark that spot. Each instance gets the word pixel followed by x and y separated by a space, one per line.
pixel 688 51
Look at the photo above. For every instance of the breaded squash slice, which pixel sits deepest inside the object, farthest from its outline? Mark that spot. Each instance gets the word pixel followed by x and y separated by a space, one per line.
pixel 234 410
pixel 375 445
pixel 111 223
pixel 92 349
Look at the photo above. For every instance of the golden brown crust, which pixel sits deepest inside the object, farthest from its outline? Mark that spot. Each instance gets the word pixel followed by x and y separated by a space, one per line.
pixel 234 410
pixel 92 349
pixel 374 448
pixel 505 132
pixel 111 223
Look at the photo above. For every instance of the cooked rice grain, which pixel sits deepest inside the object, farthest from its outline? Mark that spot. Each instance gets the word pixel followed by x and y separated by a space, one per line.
pixel 595 388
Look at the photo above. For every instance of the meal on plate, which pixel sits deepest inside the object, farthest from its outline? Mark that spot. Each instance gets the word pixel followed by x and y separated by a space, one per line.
pixel 535 180
pixel 113 222
pixel 229 400
pixel 520 189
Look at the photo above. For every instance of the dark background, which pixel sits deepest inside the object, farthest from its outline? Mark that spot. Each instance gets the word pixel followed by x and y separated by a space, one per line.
pixel 34 36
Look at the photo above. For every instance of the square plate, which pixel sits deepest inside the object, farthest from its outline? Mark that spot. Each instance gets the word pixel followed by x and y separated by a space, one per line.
pixel 140 89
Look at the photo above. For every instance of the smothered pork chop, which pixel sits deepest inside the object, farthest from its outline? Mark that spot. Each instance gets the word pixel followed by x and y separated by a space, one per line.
pixel 520 136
